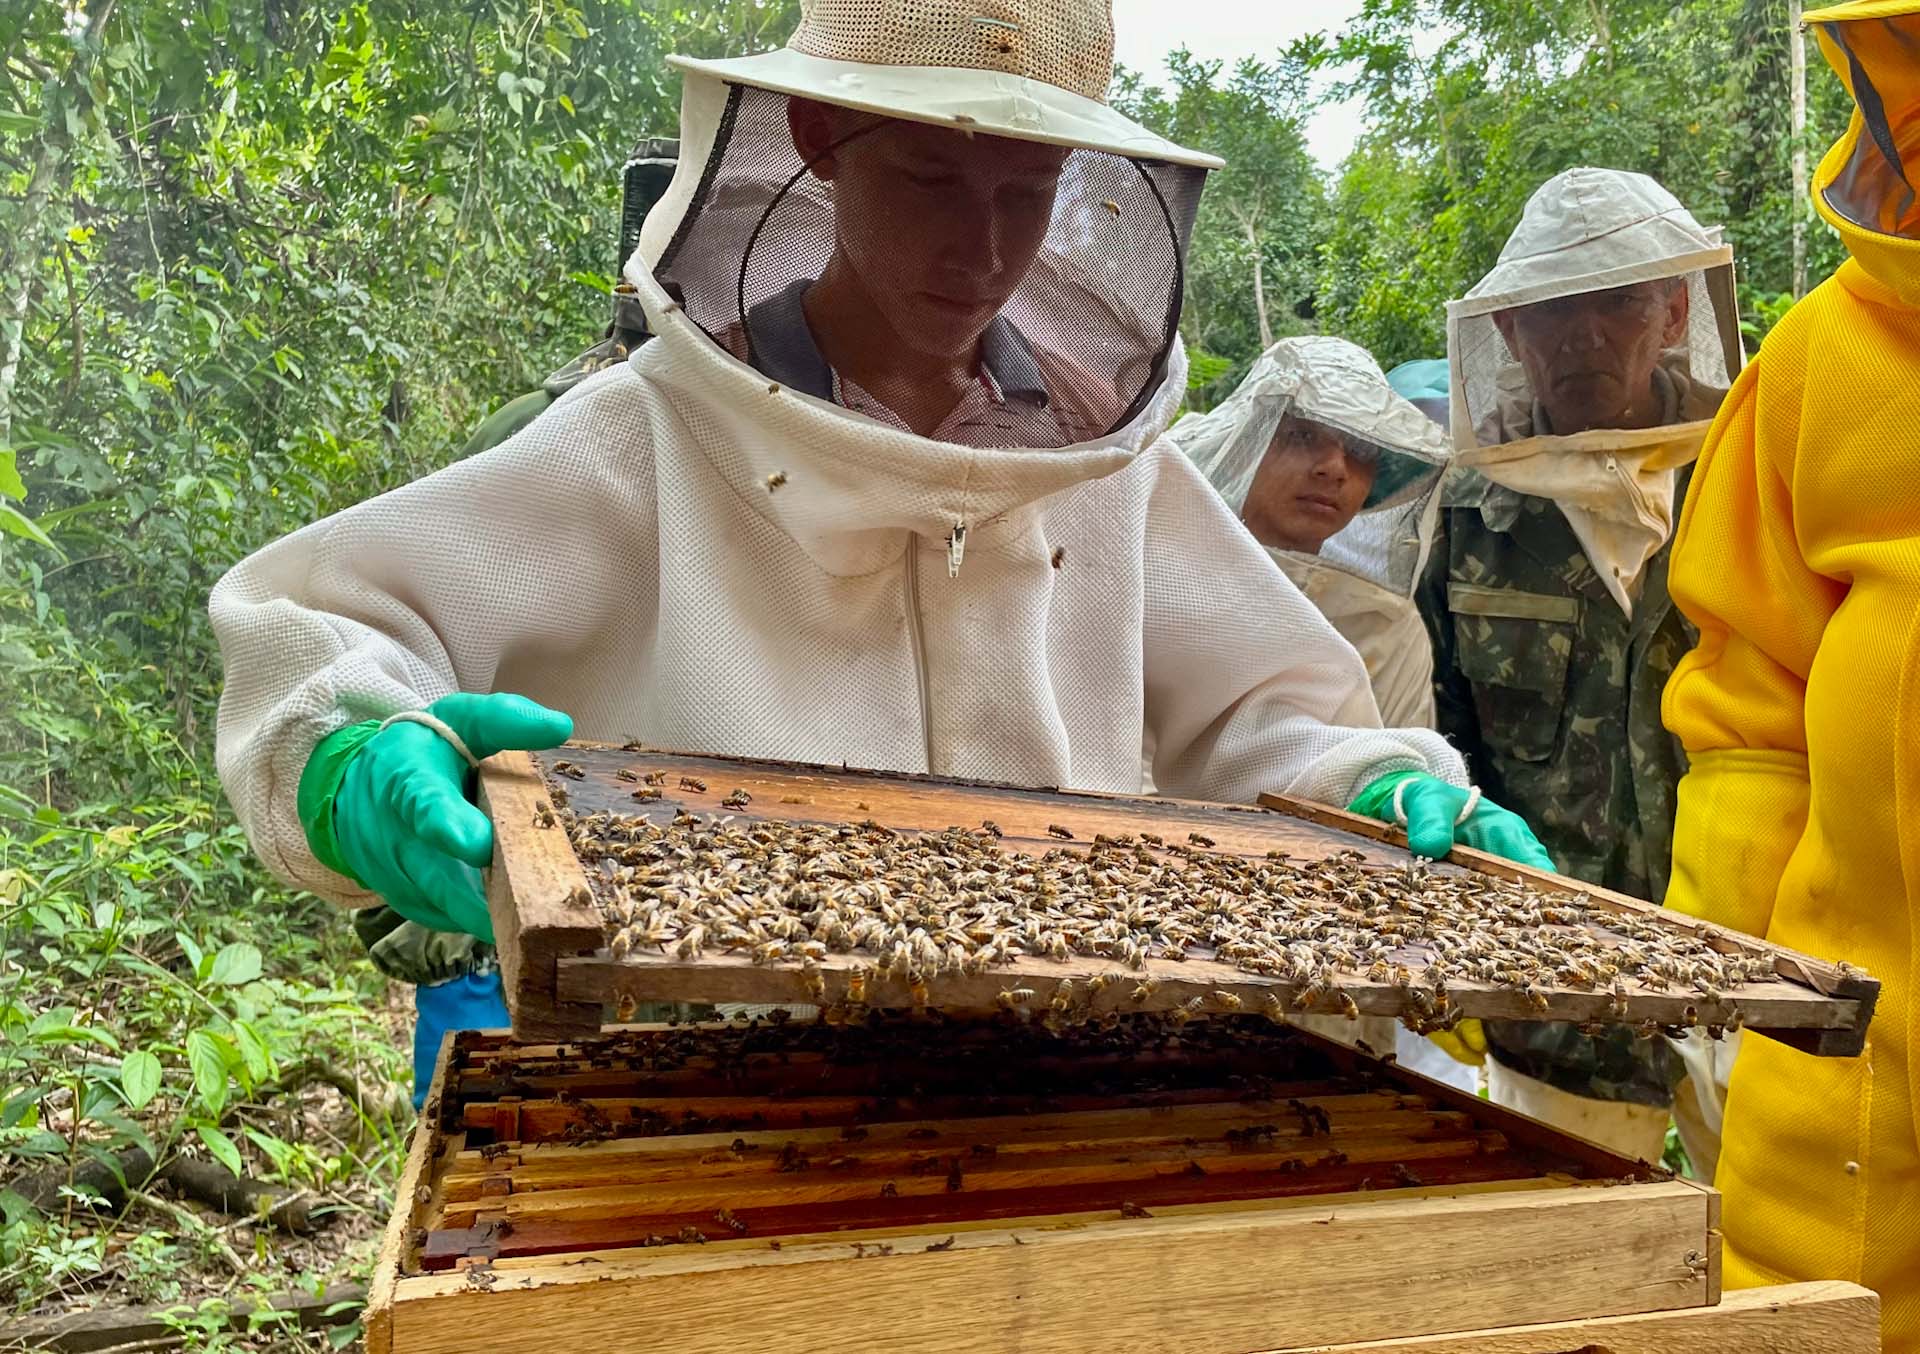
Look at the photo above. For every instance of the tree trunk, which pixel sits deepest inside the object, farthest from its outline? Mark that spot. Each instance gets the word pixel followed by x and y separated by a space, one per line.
pixel 23 262
pixel 22 272
pixel 1797 53
pixel 1259 283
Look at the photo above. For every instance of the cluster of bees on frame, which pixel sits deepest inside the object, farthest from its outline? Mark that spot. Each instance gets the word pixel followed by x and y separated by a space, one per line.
pixel 920 907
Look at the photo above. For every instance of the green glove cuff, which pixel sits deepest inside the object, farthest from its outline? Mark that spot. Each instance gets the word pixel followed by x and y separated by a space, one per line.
pixel 1376 801
pixel 320 782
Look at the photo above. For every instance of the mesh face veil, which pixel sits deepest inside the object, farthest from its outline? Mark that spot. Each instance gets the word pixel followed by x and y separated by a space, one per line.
pixel 1316 443
pixel 1611 312
pixel 1060 267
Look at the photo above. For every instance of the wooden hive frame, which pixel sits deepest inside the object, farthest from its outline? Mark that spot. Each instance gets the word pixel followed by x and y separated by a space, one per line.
pixel 560 977
pixel 1416 1218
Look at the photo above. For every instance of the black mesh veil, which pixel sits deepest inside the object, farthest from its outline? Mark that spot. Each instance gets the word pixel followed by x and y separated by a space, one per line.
pixel 1083 331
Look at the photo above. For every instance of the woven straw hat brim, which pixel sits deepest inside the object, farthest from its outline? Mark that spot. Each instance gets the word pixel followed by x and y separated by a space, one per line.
pixel 989 102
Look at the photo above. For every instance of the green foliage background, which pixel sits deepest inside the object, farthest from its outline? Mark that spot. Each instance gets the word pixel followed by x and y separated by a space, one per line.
pixel 260 262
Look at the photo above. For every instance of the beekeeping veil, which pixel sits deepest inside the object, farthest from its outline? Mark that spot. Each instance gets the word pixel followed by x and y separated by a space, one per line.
pixel 1364 576
pixel 748 226
pixel 1613 306
pixel 1868 184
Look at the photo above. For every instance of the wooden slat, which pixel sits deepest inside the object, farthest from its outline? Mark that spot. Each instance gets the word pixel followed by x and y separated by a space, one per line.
pixel 1203 1283
pixel 1804 1318
pixel 1849 984
pixel 538 898
pixel 395 1244
pixel 1811 1005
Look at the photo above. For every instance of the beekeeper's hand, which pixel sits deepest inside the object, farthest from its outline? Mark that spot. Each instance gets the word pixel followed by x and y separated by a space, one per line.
pixel 1436 815
pixel 388 804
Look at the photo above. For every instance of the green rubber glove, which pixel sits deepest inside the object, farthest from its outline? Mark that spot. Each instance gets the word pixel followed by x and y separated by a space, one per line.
pixel 389 807
pixel 1431 811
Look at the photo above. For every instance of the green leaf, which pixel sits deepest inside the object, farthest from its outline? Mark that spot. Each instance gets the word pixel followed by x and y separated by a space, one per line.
pixel 140 1077
pixel 10 482
pixel 189 948
pixel 253 1051
pixel 209 1066
pixel 17 124
pixel 16 523
pixel 236 964
pixel 75 1034
pixel 14 1207
pixel 221 1146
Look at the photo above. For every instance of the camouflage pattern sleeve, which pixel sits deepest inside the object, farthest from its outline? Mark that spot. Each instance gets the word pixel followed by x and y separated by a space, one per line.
pixel 1454 714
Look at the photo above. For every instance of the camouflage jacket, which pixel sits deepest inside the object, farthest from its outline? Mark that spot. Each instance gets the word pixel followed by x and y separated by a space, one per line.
pixel 405 950
pixel 1553 697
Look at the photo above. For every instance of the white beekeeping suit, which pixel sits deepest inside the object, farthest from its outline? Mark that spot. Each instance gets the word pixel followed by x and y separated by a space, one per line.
pixel 1363 577
pixel 1592 245
pixel 725 544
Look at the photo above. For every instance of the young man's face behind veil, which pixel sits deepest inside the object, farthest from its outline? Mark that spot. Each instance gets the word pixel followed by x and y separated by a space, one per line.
pixel 935 228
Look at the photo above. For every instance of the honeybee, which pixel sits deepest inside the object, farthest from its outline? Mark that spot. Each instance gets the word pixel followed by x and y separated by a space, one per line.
pixel 626 773
pixel 991 828
pixel 1228 1000
pixel 1153 839
pixel 646 792
pixel 1013 997
pixel 857 987
pixel 1056 831
pixel 1199 839
pixel 693 783
pixel 778 477
pixel 736 799
pixel 1186 1010
pixel 1059 555
pixel 1142 990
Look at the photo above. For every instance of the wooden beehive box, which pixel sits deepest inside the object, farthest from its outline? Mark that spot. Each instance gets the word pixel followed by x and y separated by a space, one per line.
pixel 918 1184
pixel 562 979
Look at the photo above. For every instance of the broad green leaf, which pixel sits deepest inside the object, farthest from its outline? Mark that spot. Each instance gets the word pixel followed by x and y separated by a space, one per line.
pixel 140 1077
pixel 236 964
pixel 221 1146
pixel 10 482
pixel 253 1051
pixel 209 1066
pixel 189 947
pixel 75 1034
pixel 17 523
pixel 129 1131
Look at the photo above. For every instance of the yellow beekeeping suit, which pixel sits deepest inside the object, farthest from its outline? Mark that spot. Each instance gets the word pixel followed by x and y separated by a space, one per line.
pixel 1798 556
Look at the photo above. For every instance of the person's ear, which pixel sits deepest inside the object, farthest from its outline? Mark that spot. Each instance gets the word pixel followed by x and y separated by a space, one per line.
pixel 811 125
pixel 1679 306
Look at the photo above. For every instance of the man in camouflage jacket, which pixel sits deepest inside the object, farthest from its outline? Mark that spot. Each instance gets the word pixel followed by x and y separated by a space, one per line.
pixel 1553 697
pixel 1585 370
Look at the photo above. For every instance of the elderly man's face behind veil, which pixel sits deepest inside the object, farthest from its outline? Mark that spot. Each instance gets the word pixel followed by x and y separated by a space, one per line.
pixel 1589 358
pixel 935 228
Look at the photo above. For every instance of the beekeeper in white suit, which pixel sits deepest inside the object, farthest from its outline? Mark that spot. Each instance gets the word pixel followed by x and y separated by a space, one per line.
pixel 1338 477
pixel 886 490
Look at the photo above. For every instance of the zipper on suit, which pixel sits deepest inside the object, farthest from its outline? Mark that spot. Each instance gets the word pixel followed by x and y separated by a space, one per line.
pixel 918 640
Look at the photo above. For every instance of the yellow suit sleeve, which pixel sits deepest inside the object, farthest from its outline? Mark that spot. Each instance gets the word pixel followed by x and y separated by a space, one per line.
pixel 1737 702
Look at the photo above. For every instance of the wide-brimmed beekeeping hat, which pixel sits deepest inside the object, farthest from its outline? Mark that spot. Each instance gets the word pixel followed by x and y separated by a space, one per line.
pixel 1033 70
